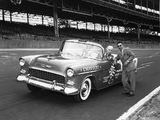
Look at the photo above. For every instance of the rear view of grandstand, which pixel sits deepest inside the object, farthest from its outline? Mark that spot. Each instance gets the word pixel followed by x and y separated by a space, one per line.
pixel 41 24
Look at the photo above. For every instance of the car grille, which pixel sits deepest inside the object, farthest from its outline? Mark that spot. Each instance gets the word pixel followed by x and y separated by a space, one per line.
pixel 46 75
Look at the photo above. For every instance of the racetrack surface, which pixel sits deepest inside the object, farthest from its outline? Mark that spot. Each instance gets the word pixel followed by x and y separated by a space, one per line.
pixel 17 103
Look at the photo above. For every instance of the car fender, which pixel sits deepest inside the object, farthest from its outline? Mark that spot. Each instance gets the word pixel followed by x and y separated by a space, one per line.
pixel 29 58
pixel 81 78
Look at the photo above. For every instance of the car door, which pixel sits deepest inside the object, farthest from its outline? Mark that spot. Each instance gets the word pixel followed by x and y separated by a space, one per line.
pixel 109 74
pixel 104 75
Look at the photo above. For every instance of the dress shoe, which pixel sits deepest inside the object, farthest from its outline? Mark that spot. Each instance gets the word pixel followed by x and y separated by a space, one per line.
pixel 130 94
pixel 125 93
pixel 136 72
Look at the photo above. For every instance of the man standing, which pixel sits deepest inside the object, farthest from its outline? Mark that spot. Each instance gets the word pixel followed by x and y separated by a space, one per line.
pixel 128 73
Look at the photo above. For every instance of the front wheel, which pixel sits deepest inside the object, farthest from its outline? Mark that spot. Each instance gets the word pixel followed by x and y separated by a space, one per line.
pixel 84 90
pixel 33 88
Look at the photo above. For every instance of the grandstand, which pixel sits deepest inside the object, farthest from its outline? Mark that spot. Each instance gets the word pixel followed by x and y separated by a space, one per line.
pixel 138 18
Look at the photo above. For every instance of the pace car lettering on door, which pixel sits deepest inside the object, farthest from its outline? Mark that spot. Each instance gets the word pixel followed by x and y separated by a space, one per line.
pixel 90 68
pixel 105 79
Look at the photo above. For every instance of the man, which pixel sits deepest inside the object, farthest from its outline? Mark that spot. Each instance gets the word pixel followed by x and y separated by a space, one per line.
pixel 128 73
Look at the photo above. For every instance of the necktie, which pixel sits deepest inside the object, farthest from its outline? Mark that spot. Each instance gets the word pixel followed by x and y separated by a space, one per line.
pixel 122 52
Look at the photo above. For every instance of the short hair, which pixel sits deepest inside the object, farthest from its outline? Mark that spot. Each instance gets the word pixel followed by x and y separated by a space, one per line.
pixel 119 42
pixel 110 47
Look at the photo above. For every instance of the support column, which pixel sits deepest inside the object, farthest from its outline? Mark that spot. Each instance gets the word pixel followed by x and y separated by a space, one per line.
pixel 108 31
pixel 101 27
pixel 77 25
pixel 108 24
pixel 147 6
pixel 141 6
pixel 10 13
pixel 154 7
pixel 94 27
pixel 112 28
pixel 55 16
pixel 42 20
pixel 1 30
pixel 86 25
pixel 125 25
pixel 127 4
pixel 139 31
pixel 134 4
pixel 27 18
pixel 118 29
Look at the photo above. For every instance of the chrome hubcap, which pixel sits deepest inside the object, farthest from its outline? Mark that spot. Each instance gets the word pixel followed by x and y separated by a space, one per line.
pixel 85 89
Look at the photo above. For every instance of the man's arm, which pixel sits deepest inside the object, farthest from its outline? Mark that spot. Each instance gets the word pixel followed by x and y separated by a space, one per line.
pixel 131 55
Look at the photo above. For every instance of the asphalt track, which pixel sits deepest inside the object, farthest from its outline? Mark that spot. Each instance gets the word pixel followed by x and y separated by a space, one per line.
pixel 17 103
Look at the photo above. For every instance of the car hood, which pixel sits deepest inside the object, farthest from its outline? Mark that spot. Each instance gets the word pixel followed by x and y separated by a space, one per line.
pixel 60 64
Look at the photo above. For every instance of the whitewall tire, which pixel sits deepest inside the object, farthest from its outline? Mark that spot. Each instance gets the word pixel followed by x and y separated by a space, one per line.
pixel 84 91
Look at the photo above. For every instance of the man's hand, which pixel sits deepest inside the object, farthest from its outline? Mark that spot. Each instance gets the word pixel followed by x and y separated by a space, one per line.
pixel 126 63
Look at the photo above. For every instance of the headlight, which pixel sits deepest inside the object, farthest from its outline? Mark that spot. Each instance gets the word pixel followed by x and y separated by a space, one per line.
pixel 22 62
pixel 70 72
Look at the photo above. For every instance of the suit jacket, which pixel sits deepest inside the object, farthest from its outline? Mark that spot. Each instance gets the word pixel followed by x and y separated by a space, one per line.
pixel 127 54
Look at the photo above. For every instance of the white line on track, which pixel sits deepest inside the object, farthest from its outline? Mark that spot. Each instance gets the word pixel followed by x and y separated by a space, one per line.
pixel 146 57
pixel 147 63
pixel 144 65
pixel 140 67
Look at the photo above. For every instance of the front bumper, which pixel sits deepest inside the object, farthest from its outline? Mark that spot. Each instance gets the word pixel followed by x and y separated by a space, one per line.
pixel 53 86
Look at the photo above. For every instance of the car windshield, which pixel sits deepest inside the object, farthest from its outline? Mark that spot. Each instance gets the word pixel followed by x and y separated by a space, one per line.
pixel 84 50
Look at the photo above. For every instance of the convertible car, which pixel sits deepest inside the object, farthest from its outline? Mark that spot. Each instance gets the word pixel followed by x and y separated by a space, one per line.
pixel 76 69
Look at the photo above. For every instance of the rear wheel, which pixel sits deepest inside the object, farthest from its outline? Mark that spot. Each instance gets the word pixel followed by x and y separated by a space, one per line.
pixel 33 88
pixel 84 90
